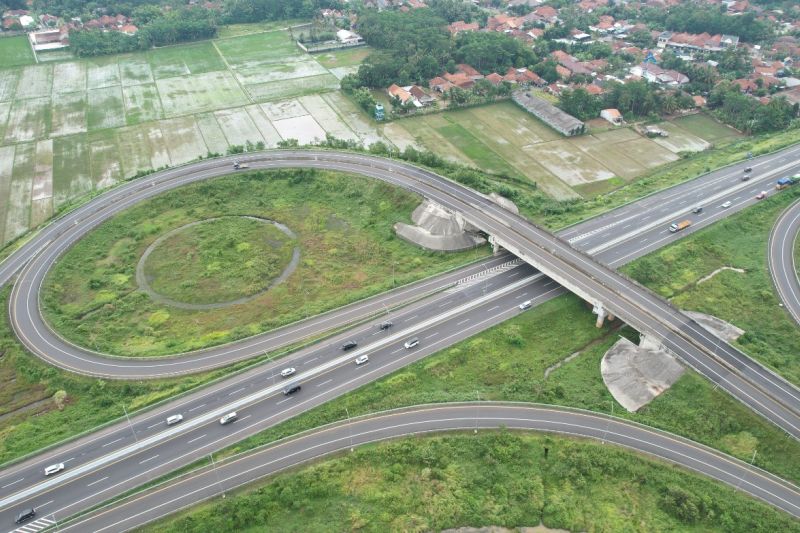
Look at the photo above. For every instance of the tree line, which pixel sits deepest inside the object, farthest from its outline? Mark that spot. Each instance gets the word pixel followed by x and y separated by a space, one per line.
pixel 186 24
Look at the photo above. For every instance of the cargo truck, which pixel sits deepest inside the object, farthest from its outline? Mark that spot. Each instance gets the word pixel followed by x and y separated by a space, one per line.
pixel 674 228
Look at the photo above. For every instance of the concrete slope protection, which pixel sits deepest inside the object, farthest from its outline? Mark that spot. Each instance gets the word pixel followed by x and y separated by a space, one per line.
pixel 760 389
pixel 782 266
pixel 205 483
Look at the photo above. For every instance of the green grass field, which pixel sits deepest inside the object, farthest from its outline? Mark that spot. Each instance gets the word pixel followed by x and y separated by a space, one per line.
pixel 15 52
pixel 707 128
pixel 344 58
pixel 344 230
pixel 218 261
pixel 489 479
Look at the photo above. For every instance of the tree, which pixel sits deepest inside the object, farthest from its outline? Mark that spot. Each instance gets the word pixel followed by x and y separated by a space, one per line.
pixel 492 52
pixel 580 104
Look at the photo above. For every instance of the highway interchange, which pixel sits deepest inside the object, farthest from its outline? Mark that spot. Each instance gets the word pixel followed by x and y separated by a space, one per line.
pixel 605 236
pixel 782 267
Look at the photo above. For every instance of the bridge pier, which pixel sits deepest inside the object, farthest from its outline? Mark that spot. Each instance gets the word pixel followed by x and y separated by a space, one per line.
pixel 496 247
pixel 601 313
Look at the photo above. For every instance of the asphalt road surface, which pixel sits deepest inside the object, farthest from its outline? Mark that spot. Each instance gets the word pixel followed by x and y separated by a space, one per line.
pixel 28 475
pixel 760 389
pixel 206 483
pixel 782 265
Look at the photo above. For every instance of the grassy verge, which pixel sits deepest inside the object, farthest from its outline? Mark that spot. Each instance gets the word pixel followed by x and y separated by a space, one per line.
pixel 495 478
pixel 344 231
pixel 740 241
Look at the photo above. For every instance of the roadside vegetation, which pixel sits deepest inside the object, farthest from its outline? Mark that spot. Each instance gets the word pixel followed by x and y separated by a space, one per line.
pixel 344 231
pixel 495 478
pixel 746 299
pixel 508 363
pixel 218 260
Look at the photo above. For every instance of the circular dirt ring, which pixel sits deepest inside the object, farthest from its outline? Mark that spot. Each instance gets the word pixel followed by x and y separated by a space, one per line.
pixel 144 284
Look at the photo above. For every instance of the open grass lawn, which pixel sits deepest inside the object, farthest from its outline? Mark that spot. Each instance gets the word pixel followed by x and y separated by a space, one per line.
pixel 218 261
pixel 15 52
pixel 348 251
pixel 498 478
pixel 237 30
pixel 259 48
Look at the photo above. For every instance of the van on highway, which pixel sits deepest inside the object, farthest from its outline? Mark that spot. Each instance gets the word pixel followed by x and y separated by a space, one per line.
pixel 227 419
pixel 53 469
pixel 410 343
pixel 174 419
pixel 291 389
pixel 27 514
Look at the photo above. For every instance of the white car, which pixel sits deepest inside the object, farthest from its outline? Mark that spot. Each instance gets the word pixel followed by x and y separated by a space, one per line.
pixel 726 205
pixel 53 469
pixel 411 343
pixel 286 372
pixel 526 305
pixel 361 359
pixel 174 419
pixel 227 419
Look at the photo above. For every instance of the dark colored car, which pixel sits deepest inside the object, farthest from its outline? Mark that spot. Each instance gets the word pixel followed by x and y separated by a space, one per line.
pixel 349 345
pixel 386 325
pixel 291 389
pixel 27 514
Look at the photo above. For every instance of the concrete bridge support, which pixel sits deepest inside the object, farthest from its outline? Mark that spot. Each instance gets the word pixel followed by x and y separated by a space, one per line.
pixel 496 246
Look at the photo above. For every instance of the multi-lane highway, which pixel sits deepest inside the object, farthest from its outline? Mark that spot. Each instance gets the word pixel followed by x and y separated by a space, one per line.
pixel 615 238
pixel 782 266
pixel 748 381
pixel 208 482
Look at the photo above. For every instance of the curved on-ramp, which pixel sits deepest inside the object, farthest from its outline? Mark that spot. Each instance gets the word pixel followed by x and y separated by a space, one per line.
pixel 782 265
pixel 199 485
pixel 751 383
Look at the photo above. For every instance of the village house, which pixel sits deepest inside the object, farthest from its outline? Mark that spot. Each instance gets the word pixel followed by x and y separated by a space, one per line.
pixel 655 74
pixel 612 115
pixel 460 26
pixel 411 95
pixel 698 42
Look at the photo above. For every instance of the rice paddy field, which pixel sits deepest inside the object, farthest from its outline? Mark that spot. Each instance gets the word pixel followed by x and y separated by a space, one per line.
pixel 70 126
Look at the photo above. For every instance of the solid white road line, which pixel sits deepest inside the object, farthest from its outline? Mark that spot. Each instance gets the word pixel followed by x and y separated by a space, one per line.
pixel 112 442
pixel 148 459
pixel 12 483
pixel 236 391
pixel 198 407
pixel 196 438
pixel 96 482
pixel 324 383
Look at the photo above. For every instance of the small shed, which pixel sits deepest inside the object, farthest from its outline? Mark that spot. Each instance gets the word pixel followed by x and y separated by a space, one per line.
pixel 612 115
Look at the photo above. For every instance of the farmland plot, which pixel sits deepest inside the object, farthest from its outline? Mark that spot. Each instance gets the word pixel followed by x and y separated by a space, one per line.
pixel 29 120
pixel 5 109
pixel 265 127
pixel 212 133
pixel 106 109
pixel 135 70
pixel 102 73
pixel 36 81
pixel 284 109
pixel 69 77
pixel 183 139
pixel 237 126
pixel 352 116
pixel 305 129
pixel 142 147
pixel 71 173
pixel 42 186
pixel 277 90
pixel 398 136
pixel 199 93
pixel 258 49
pixel 568 163
pixel 69 114
pixel 680 140
pixel 6 167
pixel 104 159
pixel 8 84
pixel 613 156
pixel 18 212
pixel 196 58
pixel 141 103
pixel 327 117
pixel 269 72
